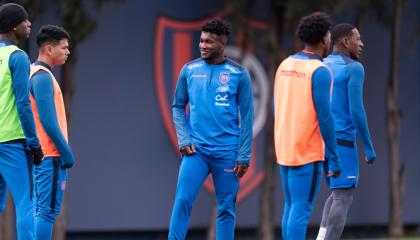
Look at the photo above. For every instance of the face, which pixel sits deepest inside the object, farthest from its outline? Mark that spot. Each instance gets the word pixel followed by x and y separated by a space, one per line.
pixel 327 42
pixel 354 44
pixel 59 52
pixel 23 30
pixel 211 46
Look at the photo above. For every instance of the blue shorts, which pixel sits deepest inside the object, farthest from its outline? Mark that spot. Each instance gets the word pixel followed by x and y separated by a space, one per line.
pixel 349 176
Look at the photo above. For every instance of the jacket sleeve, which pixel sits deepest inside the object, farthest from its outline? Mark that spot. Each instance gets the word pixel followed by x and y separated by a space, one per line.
pixel 357 111
pixel 321 88
pixel 246 108
pixel 19 68
pixel 178 110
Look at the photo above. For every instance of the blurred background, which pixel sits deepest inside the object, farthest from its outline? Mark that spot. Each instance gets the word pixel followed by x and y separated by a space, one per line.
pixel 118 85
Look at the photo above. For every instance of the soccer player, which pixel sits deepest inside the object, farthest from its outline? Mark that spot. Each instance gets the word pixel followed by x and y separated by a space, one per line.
pixel 217 136
pixel 50 175
pixel 303 122
pixel 19 145
pixel 350 118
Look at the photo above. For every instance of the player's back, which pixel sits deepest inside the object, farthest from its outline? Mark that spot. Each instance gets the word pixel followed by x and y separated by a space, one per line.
pixel 340 66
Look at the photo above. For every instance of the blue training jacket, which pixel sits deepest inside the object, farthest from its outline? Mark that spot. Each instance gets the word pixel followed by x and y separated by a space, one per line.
pixel 220 100
pixel 347 101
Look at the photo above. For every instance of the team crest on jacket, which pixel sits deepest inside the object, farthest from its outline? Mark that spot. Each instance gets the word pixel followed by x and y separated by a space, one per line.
pixel 224 77
pixel 176 43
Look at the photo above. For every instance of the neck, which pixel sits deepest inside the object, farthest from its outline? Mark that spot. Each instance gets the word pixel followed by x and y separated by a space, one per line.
pixel 216 60
pixel 341 50
pixel 46 60
pixel 9 36
pixel 314 49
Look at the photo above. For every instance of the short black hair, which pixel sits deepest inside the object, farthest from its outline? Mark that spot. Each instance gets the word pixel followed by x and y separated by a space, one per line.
pixel 51 34
pixel 341 30
pixel 312 28
pixel 217 26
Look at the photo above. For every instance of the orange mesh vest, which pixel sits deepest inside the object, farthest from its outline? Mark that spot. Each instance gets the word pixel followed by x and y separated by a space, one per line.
pixel 47 145
pixel 297 136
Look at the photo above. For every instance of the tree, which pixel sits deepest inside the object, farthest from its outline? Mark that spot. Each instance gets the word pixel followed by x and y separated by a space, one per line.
pixel 396 169
pixel 390 17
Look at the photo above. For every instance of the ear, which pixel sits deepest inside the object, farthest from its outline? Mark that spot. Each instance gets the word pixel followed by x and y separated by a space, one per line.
pixel 223 40
pixel 325 39
pixel 48 49
pixel 346 42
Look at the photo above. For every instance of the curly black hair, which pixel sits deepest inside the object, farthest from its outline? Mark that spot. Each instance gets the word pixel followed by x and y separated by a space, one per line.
pixel 312 28
pixel 341 30
pixel 217 26
pixel 51 34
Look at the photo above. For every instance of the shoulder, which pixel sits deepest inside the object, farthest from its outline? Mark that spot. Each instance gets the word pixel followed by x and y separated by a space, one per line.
pixel 355 67
pixel 234 67
pixel 198 62
pixel 19 56
pixel 41 73
pixel 322 71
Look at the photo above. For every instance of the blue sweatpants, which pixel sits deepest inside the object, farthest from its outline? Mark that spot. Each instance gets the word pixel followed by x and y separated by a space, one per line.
pixel 50 183
pixel 300 189
pixel 193 171
pixel 16 175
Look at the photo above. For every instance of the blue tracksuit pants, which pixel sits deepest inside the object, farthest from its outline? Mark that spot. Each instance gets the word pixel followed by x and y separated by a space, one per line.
pixel 193 171
pixel 16 175
pixel 300 189
pixel 50 183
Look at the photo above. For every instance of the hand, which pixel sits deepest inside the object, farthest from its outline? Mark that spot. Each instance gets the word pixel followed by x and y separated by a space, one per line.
pixel 187 150
pixel 36 154
pixel 240 169
pixel 334 174
pixel 67 161
pixel 370 157
pixel 370 162
pixel 67 164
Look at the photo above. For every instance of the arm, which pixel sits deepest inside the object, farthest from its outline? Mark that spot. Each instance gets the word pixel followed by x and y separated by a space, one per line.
pixel 43 91
pixel 178 111
pixel 19 68
pixel 246 108
pixel 321 85
pixel 357 111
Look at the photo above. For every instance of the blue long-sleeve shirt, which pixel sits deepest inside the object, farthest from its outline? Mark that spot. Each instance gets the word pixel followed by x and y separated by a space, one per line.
pixel 19 66
pixel 321 86
pixel 347 101
pixel 220 103
pixel 42 89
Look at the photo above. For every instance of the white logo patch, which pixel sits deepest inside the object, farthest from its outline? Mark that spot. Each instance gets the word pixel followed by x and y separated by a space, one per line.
pixel 222 89
pixel 194 65
pixel 221 98
pixel 232 69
